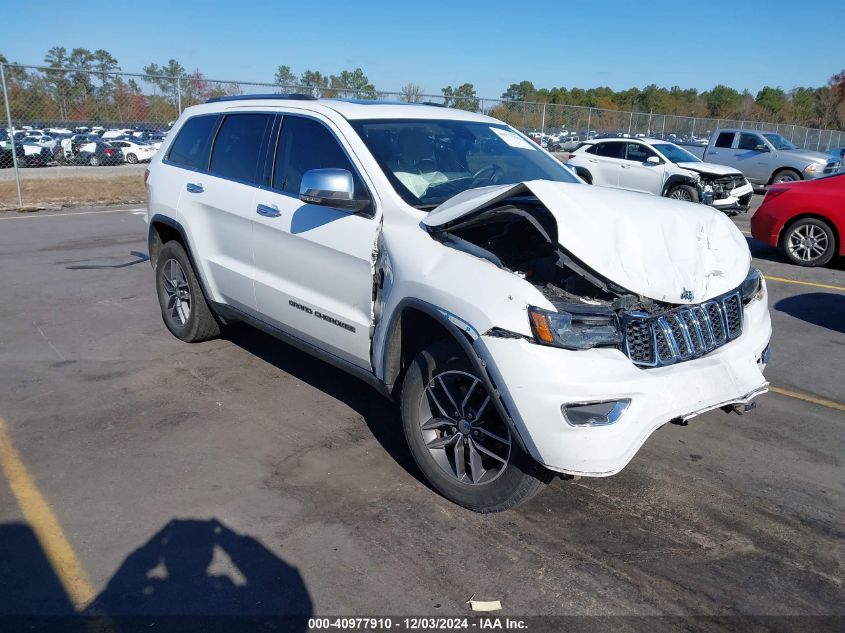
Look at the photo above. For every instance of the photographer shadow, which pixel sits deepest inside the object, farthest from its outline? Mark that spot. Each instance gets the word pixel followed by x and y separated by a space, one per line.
pixel 205 570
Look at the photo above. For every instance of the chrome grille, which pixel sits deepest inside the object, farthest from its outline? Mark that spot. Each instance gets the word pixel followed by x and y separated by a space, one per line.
pixel 682 333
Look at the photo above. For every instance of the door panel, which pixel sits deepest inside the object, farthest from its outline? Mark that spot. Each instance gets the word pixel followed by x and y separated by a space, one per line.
pixel 753 164
pixel 217 214
pixel 605 163
pixel 313 263
pixel 218 206
pixel 637 174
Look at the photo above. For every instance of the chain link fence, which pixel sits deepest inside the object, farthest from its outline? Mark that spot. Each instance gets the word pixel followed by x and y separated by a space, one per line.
pixel 55 122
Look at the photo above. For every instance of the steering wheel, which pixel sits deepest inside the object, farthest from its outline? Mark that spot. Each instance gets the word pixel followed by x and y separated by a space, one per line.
pixel 490 173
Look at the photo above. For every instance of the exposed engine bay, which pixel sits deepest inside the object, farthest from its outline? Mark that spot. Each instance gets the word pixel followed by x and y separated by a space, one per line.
pixel 722 188
pixel 521 237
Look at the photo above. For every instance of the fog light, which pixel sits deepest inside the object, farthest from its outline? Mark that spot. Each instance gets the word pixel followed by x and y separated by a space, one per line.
pixel 595 413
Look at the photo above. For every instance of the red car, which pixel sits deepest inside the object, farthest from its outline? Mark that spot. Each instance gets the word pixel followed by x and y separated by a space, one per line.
pixel 806 219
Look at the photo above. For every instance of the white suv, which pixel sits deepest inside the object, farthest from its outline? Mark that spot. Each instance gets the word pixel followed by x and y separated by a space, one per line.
pixel 526 323
pixel 661 168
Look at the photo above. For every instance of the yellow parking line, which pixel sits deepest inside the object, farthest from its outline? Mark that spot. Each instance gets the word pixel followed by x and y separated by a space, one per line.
pixel 43 522
pixel 823 402
pixel 805 283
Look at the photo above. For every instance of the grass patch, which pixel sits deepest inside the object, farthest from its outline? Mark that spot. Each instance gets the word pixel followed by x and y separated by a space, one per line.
pixel 53 192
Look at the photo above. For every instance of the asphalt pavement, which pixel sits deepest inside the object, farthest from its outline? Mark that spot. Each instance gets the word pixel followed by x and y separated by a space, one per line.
pixel 240 476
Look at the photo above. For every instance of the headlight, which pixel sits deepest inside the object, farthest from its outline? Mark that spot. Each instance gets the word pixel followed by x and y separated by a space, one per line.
pixel 750 288
pixel 813 168
pixel 575 327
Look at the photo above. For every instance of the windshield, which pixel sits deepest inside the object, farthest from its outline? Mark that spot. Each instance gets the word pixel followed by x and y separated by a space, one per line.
pixel 676 154
pixel 429 161
pixel 778 142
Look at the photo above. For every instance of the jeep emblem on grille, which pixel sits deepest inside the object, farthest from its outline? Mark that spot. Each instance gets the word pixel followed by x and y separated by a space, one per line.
pixel 687 295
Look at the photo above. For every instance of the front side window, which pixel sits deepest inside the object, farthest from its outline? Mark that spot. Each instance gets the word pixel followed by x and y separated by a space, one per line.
pixel 637 152
pixel 307 144
pixel 428 160
pixel 238 146
pixel 749 141
pixel 191 147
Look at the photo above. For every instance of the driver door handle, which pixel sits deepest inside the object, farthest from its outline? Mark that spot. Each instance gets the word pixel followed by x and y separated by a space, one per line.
pixel 194 187
pixel 267 211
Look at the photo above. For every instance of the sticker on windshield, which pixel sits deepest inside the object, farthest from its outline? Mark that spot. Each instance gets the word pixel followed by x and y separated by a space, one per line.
pixel 512 138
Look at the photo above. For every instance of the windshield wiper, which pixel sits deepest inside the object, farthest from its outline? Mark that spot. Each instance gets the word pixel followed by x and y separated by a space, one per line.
pixel 426 207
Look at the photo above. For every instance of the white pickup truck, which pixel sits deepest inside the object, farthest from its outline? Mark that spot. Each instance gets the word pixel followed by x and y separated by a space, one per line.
pixel 764 158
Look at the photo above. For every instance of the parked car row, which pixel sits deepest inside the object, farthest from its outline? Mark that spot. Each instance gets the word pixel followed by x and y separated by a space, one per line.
pixel 81 145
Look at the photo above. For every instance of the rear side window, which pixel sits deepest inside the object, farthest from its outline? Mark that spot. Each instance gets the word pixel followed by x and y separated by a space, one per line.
pixel 239 145
pixel 307 144
pixel 609 150
pixel 192 144
pixel 725 139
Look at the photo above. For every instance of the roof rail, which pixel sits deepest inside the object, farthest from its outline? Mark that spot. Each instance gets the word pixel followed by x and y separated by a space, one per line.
pixel 295 96
pixel 432 103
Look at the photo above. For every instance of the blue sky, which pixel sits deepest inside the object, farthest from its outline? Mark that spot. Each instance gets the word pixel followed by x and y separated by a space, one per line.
pixel 433 43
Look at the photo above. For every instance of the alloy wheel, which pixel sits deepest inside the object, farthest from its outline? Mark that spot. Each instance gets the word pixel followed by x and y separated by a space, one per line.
pixel 175 284
pixel 681 194
pixel 807 242
pixel 464 434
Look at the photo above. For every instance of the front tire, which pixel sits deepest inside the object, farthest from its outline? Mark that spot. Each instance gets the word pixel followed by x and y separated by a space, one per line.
pixel 457 438
pixel 683 192
pixel 183 306
pixel 809 242
pixel 131 159
pixel 786 175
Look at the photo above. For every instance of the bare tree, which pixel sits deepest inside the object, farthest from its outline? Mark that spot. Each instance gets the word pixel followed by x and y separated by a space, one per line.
pixel 412 93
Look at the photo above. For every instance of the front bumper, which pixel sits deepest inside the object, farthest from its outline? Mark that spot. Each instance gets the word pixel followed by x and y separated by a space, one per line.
pixel 733 202
pixel 534 381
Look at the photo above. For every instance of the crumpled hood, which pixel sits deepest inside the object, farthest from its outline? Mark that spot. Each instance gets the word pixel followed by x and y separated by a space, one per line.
pixel 655 247
pixel 709 168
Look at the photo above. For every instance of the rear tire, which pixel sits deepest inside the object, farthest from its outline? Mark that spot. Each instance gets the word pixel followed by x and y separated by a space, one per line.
pixel 465 451
pixel 93 161
pixel 786 175
pixel 183 306
pixel 682 192
pixel 131 158
pixel 809 242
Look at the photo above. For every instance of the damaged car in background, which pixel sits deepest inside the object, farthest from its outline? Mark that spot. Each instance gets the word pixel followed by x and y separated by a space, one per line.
pixel 661 168
pixel 527 325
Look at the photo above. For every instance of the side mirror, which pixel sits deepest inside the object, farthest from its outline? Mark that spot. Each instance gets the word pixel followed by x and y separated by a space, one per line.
pixel 761 148
pixel 330 188
pixel 653 160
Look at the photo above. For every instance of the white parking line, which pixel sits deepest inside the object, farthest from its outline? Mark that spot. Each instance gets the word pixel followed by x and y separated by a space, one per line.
pixel 32 216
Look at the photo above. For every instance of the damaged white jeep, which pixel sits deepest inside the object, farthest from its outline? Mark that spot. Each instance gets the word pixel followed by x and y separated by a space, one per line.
pixel 527 324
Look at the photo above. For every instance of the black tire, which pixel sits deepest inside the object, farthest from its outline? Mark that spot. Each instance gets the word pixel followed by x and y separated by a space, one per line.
pixel 585 176
pixel 93 161
pixel 516 482
pixel 682 192
pixel 131 158
pixel 785 175
pixel 193 323
pixel 809 242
